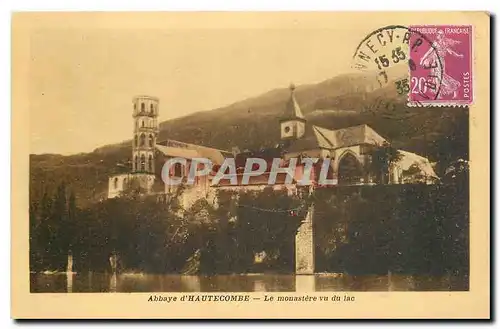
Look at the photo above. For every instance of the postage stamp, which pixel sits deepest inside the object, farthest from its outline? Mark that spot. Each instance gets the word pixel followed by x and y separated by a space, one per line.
pixel 443 71
pixel 428 64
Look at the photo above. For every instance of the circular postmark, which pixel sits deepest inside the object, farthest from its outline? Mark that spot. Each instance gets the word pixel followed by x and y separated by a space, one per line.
pixel 390 53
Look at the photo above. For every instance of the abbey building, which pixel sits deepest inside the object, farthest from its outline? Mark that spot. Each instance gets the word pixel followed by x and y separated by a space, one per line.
pixel 350 150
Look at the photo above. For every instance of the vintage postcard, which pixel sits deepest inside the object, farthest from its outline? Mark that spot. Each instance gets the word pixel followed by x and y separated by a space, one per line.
pixel 251 165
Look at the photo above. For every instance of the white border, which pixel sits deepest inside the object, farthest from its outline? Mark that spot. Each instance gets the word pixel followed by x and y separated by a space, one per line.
pixel 7 6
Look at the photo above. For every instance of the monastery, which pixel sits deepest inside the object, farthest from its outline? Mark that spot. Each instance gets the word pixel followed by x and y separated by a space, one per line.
pixel 349 151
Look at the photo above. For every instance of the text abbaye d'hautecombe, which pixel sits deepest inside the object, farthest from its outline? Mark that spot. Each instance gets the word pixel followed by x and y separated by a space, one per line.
pixel 226 298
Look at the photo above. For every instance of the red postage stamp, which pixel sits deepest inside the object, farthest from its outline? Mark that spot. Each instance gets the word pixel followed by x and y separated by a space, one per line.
pixel 441 69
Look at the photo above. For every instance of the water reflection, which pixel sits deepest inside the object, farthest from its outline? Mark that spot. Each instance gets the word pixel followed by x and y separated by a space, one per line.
pixel 305 283
pixel 69 281
pixel 103 282
pixel 259 286
pixel 191 282
pixel 112 283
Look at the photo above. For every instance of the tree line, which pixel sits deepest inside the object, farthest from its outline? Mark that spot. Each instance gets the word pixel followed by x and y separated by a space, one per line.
pixel 411 229
pixel 155 236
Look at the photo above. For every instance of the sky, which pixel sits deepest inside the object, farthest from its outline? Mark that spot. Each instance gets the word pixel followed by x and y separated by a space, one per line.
pixel 82 79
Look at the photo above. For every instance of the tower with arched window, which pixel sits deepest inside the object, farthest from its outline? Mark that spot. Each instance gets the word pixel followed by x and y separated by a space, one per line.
pixel 145 116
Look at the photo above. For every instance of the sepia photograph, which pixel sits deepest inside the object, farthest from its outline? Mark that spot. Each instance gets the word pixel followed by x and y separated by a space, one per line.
pixel 273 158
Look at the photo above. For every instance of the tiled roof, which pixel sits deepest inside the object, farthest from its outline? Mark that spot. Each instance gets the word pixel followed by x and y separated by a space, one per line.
pixel 356 135
pixel 325 137
pixel 319 137
pixel 178 152
pixel 189 151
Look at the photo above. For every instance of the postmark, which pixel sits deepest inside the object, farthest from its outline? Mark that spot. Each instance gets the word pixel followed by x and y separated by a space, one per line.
pixel 386 54
pixel 449 58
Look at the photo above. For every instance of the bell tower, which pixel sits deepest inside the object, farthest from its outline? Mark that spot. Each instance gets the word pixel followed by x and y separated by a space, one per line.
pixel 142 176
pixel 145 116
pixel 293 121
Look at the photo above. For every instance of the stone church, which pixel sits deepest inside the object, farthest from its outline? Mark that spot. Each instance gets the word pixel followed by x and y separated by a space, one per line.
pixel 348 149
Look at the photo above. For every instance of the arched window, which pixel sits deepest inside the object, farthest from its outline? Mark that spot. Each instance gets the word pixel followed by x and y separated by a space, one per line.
pixel 151 140
pixel 150 163
pixel 143 139
pixel 136 163
pixel 116 183
pixel 151 109
pixel 142 123
pixel 143 163
pixel 350 171
pixel 136 142
pixel 143 107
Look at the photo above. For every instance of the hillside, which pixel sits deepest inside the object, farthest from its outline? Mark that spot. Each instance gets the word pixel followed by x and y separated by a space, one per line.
pixel 439 133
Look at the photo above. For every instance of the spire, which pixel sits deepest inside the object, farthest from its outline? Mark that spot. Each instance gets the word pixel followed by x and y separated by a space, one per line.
pixel 292 109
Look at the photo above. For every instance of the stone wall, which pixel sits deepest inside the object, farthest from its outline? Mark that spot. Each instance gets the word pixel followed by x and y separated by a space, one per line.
pixel 304 246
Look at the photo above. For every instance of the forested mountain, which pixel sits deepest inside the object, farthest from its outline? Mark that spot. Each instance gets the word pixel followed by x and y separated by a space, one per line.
pixel 440 133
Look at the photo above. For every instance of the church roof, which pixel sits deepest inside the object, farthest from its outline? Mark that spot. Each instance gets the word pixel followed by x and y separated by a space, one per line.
pixel 319 137
pixel 292 108
pixel 178 152
pixel 362 134
pixel 175 148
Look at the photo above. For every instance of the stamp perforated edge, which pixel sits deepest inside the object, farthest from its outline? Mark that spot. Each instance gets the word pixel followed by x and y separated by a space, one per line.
pixel 458 103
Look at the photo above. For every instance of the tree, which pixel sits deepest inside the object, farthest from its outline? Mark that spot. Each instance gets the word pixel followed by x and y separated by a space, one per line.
pixel 268 221
pixel 42 232
pixel 59 239
pixel 414 174
pixel 35 255
pixel 71 222
pixel 452 144
pixel 382 158
pixel 457 173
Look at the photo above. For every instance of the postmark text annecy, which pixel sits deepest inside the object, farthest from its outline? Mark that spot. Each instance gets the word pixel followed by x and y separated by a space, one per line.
pixel 386 52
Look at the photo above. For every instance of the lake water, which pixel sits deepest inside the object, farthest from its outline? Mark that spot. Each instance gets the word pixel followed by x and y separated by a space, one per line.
pixel 101 282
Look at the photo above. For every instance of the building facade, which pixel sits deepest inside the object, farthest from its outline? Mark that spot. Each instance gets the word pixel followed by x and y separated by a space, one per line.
pixel 349 151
